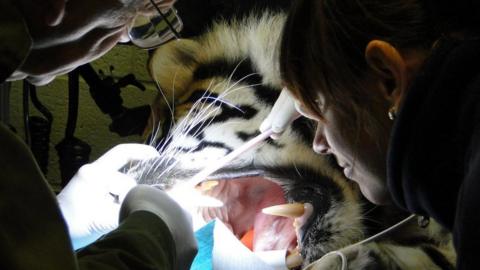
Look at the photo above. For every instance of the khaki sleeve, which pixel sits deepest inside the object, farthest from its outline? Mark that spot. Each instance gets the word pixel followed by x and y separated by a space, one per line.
pixel 33 233
pixel 142 241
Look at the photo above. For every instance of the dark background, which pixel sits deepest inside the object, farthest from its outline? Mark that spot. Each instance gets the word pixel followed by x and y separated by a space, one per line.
pixel 197 15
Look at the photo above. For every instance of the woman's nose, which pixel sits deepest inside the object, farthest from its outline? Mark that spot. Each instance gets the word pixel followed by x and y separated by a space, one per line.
pixel 320 144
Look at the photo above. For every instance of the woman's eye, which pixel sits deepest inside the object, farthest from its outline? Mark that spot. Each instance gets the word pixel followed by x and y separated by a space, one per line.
pixel 303 111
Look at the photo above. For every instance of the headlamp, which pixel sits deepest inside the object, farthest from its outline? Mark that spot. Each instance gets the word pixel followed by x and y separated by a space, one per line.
pixel 151 31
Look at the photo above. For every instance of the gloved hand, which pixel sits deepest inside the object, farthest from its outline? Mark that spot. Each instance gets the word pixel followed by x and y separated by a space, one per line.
pixel 283 113
pixel 90 203
pixel 179 222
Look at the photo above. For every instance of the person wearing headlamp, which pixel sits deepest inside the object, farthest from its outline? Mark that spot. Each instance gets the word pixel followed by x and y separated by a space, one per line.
pixel 112 222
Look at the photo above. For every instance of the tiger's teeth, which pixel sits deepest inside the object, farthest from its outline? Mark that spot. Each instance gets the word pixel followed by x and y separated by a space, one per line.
pixel 292 210
pixel 207 185
pixel 189 197
pixel 294 260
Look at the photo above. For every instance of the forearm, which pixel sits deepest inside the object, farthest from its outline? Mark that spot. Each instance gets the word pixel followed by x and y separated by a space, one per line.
pixel 32 231
pixel 142 241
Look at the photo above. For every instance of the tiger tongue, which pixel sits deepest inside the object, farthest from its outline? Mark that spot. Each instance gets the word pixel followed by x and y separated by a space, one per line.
pixel 244 200
pixel 273 233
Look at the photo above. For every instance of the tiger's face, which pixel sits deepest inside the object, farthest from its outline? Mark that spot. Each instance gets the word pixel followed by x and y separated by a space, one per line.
pixel 216 90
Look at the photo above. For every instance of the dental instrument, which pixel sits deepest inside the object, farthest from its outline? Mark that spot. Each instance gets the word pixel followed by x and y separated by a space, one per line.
pixel 283 113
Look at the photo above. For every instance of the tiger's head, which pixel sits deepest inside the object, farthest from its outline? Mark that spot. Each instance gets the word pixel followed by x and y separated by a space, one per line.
pixel 215 91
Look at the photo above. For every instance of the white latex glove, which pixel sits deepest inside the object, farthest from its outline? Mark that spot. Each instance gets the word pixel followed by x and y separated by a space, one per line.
pixel 90 203
pixel 283 113
pixel 178 221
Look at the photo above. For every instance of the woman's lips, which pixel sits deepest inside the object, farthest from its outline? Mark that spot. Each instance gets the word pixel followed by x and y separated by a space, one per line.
pixel 347 168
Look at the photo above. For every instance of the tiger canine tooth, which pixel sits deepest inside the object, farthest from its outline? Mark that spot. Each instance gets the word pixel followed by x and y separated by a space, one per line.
pixel 294 260
pixel 208 185
pixel 292 210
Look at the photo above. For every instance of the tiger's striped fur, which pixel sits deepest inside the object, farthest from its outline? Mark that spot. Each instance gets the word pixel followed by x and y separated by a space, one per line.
pixel 217 88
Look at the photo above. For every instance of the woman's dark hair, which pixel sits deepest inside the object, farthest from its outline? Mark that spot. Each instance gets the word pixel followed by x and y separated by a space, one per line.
pixel 323 46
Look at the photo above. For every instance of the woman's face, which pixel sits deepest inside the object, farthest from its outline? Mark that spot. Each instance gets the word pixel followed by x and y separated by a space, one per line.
pixel 362 155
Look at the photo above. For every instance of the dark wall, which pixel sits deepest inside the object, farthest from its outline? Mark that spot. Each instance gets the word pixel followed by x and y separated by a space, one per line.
pixel 198 15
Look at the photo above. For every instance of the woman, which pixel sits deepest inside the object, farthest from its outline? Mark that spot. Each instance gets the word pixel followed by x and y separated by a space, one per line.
pixel 397 101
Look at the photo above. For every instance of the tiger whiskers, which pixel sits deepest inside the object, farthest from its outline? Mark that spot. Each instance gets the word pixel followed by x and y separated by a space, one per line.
pixel 159 88
pixel 200 112
pixel 200 116
pixel 169 150
pixel 196 118
pixel 155 128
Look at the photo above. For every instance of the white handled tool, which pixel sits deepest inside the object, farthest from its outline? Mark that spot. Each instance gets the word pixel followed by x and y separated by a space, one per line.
pixel 203 174
pixel 185 193
pixel 283 113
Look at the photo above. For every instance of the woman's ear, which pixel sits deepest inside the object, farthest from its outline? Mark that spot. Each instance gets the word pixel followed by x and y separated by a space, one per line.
pixel 389 67
pixel 55 12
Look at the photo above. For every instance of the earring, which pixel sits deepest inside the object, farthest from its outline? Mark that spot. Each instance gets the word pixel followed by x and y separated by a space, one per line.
pixel 392 113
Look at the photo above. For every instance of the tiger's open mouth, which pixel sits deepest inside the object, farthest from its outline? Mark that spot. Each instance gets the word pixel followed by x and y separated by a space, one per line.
pixel 244 199
pixel 246 190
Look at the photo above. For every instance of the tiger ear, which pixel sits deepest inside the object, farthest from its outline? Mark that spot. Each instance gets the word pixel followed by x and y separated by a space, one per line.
pixel 172 66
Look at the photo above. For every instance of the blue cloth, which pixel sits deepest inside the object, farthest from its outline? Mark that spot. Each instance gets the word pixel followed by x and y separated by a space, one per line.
pixel 204 235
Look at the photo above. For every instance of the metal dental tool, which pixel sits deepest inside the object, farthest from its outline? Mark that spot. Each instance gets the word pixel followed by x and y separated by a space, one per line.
pixel 251 144
pixel 343 256
pixel 186 194
pixel 283 113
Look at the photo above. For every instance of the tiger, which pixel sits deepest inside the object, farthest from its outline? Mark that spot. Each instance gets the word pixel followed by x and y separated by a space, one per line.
pixel 216 89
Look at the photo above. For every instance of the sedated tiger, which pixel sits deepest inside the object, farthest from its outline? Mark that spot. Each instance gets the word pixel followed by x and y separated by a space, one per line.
pixel 216 89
